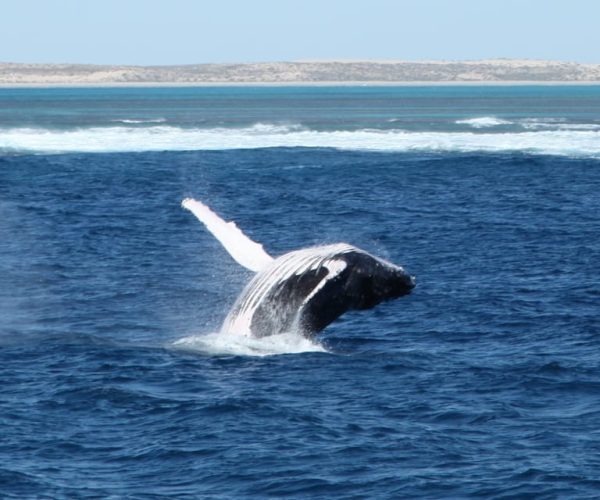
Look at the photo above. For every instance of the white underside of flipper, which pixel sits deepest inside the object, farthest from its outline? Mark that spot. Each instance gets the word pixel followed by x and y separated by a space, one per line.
pixel 246 252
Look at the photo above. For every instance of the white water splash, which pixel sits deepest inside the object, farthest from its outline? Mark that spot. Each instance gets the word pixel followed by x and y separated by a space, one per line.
pixel 220 344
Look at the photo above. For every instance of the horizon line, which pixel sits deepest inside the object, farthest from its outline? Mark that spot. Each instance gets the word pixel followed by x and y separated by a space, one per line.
pixel 319 61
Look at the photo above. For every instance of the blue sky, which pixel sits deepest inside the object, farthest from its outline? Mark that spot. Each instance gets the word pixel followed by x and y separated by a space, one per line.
pixel 199 31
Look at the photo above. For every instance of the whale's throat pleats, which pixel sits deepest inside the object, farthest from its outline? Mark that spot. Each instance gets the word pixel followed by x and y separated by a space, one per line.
pixel 278 299
pixel 280 310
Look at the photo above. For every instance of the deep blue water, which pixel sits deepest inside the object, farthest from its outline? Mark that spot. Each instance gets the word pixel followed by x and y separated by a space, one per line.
pixel 484 382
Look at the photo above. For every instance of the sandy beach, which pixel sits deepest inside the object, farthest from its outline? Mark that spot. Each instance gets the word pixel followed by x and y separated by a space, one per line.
pixel 297 84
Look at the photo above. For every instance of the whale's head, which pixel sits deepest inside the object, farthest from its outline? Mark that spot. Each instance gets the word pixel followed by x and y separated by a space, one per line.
pixel 394 282
pixel 374 280
pixel 388 281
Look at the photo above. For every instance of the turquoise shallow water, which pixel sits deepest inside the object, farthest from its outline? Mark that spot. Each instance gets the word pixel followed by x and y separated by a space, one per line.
pixel 315 108
pixel 483 382
pixel 541 120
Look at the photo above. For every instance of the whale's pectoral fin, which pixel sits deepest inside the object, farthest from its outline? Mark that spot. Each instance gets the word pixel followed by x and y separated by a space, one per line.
pixel 246 252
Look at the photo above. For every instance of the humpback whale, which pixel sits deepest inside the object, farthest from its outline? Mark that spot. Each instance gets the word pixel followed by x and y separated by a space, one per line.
pixel 303 290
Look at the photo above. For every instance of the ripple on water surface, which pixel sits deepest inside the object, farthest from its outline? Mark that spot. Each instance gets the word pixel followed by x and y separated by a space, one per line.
pixel 482 382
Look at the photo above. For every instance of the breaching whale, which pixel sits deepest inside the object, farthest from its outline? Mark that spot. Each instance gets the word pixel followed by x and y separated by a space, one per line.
pixel 303 290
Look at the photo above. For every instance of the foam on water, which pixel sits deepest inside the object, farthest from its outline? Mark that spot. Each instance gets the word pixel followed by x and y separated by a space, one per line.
pixel 140 120
pixel 582 143
pixel 555 124
pixel 528 124
pixel 483 122
pixel 219 344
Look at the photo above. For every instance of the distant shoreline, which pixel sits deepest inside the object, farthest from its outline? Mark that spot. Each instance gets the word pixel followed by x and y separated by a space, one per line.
pixel 496 72
pixel 517 83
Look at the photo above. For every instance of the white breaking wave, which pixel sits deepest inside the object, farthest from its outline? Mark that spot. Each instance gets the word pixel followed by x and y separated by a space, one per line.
pixel 483 122
pixel 149 120
pixel 169 138
pixel 220 344
pixel 555 124
pixel 535 124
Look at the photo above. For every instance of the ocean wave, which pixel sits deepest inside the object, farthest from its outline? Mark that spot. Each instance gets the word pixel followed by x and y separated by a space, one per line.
pixel 483 122
pixel 528 124
pixel 555 124
pixel 218 344
pixel 140 121
pixel 584 143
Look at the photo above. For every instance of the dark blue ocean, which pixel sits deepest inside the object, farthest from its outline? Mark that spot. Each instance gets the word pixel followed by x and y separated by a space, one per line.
pixel 483 383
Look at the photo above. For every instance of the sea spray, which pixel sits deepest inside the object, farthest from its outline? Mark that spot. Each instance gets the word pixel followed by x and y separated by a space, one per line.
pixel 221 344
